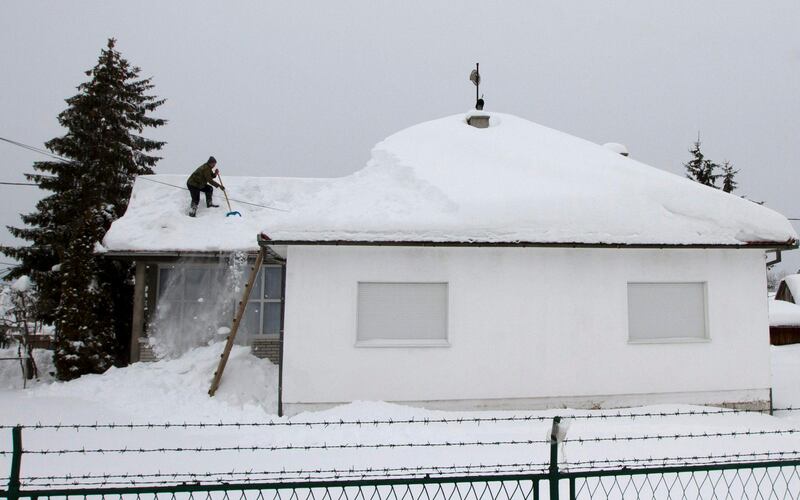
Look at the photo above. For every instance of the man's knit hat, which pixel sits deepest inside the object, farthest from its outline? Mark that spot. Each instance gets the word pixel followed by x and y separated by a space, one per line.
pixel 211 159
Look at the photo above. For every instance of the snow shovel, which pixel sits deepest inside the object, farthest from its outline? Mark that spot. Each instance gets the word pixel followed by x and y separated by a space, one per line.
pixel 231 212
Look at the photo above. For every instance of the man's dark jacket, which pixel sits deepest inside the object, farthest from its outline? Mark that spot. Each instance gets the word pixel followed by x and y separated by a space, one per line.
pixel 202 176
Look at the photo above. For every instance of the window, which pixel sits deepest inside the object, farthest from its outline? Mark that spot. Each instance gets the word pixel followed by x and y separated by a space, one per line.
pixel 262 316
pixel 659 312
pixel 202 294
pixel 402 314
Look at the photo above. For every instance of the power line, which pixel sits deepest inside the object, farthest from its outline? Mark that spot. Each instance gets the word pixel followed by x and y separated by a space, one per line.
pixel 18 184
pixel 64 160
pixel 35 150
pixel 232 199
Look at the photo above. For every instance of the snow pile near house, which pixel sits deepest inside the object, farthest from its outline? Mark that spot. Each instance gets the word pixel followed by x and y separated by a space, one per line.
pixel 177 389
pixel 782 313
pixel 446 181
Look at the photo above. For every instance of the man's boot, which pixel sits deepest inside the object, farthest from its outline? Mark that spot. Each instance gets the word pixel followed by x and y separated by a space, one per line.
pixel 210 203
pixel 193 210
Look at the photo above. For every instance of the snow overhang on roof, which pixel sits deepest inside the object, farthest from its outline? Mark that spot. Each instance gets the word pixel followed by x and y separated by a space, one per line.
pixel 443 182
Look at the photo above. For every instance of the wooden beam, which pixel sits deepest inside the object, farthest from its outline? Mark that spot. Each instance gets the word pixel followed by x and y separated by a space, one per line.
pixel 236 320
pixel 137 325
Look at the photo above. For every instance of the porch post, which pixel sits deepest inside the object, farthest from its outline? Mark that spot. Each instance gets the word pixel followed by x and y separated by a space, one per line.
pixel 137 327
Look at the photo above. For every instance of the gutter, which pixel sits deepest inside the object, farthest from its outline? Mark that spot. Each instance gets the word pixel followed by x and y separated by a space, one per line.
pixel 266 241
pixel 161 255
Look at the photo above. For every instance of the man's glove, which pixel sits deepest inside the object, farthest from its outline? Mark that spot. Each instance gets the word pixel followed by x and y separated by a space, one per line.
pixel 222 188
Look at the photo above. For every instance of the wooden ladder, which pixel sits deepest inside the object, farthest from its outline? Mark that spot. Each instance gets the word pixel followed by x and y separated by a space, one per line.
pixel 236 321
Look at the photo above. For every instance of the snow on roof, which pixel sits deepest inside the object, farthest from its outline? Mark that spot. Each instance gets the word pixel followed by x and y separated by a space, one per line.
pixel 782 313
pixel 445 181
pixel 793 282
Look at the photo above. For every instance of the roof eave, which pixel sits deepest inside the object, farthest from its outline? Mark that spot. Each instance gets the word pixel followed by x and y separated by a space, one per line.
pixel 170 254
pixel 264 240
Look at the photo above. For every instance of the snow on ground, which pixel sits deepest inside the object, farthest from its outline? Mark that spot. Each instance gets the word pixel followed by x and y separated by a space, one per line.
pixel 175 391
pixel 444 180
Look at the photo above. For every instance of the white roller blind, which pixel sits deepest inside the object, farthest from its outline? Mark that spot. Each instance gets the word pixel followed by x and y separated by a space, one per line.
pixel 666 311
pixel 402 312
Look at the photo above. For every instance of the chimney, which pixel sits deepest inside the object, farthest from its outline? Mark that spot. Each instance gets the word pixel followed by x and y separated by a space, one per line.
pixel 478 118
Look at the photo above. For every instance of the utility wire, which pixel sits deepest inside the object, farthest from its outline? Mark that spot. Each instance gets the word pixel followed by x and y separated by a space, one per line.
pixel 62 159
pixel 35 149
pixel 18 184
pixel 232 199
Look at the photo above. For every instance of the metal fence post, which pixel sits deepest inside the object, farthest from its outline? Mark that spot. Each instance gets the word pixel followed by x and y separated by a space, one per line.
pixel 16 462
pixel 553 479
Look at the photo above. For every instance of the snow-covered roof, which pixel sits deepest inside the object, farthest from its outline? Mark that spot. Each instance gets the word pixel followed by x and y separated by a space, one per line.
pixel 793 283
pixel 445 181
pixel 782 313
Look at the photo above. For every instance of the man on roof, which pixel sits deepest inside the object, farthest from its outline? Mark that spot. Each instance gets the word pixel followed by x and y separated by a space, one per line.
pixel 201 180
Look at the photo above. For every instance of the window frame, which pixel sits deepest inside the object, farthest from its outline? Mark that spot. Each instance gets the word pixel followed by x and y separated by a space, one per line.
pixel 669 340
pixel 262 277
pixel 415 343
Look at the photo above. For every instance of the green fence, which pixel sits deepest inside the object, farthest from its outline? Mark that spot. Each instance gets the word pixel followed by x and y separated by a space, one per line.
pixel 757 475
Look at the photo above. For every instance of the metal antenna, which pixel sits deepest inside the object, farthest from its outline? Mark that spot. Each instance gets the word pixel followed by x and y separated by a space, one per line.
pixel 475 77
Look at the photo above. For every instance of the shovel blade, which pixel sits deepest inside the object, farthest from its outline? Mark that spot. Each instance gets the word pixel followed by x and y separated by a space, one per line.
pixel 231 214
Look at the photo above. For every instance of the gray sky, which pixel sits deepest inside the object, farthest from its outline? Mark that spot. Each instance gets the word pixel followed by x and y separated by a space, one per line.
pixel 307 88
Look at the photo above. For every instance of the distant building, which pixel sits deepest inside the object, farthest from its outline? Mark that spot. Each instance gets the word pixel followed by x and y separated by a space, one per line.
pixel 510 267
pixel 784 312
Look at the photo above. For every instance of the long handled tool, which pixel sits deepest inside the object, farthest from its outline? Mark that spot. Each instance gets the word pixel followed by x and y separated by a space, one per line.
pixel 231 212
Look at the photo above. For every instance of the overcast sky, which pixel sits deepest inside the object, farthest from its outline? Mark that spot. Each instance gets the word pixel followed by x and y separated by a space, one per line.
pixel 306 89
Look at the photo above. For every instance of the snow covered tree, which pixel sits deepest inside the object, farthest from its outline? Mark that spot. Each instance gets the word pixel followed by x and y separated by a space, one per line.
pixel 729 184
pixel 705 171
pixel 86 297
pixel 701 169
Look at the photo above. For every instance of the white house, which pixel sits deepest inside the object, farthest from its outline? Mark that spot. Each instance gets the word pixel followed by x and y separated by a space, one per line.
pixel 512 266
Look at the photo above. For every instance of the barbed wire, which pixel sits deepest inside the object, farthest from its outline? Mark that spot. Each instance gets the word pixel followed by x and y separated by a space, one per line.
pixel 603 464
pixel 430 472
pixel 443 471
pixel 444 444
pixel 250 480
pixel 378 422
pixel 289 447
pixel 688 435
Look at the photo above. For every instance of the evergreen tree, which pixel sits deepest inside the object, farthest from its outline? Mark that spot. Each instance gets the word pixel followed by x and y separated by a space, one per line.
pixel 729 184
pixel 88 298
pixel 701 169
pixel 705 171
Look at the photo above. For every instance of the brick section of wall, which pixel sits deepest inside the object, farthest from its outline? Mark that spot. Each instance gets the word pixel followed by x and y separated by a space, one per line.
pixel 146 354
pixel 262 348
pixel 267 348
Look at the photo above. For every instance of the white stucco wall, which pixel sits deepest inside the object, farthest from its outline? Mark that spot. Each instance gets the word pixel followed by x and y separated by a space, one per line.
pixel 524 323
